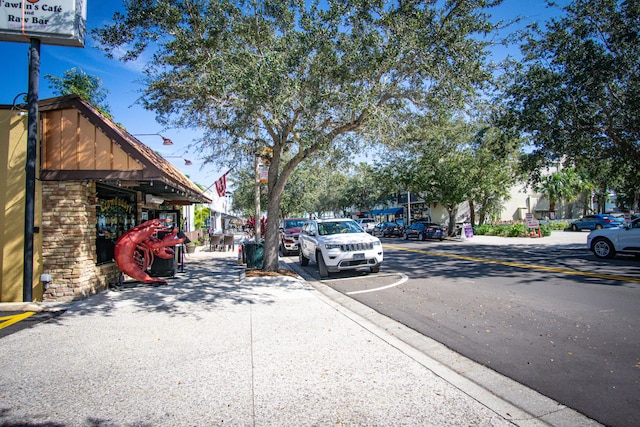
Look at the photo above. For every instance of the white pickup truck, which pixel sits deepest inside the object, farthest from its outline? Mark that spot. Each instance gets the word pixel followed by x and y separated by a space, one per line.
pixel 338 244
pixel 367 224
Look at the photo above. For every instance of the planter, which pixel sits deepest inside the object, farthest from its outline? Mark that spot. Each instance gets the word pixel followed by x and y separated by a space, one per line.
pixel 191 249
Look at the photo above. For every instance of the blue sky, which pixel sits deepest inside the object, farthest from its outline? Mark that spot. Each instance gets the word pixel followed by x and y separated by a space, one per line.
pixel 121 80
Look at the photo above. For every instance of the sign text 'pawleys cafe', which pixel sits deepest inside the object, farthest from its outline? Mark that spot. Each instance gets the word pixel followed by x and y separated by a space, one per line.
pixel 57 22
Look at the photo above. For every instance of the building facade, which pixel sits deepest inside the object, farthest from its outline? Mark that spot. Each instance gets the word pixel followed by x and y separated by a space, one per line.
pixel 94 181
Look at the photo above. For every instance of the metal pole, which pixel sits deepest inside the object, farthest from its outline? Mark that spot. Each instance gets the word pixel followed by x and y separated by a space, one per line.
pixel 30 169
pixel 408 209
pixel 256 185
pixel 256 196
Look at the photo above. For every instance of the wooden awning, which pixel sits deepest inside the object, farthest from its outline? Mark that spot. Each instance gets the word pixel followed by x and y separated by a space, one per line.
pixel 78 143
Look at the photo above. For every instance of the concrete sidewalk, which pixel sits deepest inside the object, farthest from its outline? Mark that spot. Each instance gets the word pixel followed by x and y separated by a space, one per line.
pixel 214 348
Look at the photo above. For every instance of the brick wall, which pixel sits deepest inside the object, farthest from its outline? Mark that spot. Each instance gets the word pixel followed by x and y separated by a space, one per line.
pixel 69 242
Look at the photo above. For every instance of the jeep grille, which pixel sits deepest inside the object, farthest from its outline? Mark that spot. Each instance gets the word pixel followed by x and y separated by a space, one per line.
pixel 353 247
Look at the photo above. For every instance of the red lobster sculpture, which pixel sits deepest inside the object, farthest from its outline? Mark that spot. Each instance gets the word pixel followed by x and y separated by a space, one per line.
pixel 136 248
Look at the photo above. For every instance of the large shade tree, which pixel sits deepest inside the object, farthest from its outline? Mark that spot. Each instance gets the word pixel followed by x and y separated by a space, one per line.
pixel 577 94
pixel 300 77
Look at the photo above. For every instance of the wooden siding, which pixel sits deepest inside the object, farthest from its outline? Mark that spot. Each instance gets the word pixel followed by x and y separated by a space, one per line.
pixel 71 142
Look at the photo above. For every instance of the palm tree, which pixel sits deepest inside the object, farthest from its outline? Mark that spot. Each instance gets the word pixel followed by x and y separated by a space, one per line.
pixel 560 185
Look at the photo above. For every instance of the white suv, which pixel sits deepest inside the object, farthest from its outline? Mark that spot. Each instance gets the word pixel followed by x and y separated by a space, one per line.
pixel 338 244
pixel 607 242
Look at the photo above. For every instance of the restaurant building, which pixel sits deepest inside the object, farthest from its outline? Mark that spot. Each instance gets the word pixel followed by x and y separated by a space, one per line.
pixel 94 181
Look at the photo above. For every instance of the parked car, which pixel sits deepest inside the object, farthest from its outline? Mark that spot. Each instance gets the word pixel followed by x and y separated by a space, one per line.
pixel 289 232
pixel 338 244
pixel 367 224
pixel 423 230
pixel 387 229
pixel 606 243
pixel 596 222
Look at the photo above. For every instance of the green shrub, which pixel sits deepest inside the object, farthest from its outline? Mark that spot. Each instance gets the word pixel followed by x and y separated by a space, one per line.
pixel 514 229
pixel 517 230
pixel 481 230
pixel 545 229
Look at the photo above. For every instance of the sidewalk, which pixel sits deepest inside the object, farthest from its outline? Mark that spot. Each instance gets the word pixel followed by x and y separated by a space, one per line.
pixel 213 348
pixel 559 239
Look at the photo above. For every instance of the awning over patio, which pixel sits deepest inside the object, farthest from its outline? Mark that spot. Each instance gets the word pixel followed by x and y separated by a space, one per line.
pixel 392 211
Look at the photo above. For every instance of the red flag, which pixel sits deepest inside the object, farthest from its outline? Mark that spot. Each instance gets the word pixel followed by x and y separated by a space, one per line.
pixel 221 185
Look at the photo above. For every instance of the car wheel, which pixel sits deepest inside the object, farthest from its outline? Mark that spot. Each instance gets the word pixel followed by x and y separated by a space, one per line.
pixel 282 251
pixel 598 227
pixel 603 248
pixel 304 261
pixel 375 269
pixel 574 227
pixel 405 237
pixel 322 267
pixel 420 236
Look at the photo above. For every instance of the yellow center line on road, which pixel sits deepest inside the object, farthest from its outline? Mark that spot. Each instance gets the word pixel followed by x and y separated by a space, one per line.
pixel 14 318
pixel 518 264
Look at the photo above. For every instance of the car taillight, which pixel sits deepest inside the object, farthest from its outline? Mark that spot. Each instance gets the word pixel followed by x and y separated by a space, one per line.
pixel 607 220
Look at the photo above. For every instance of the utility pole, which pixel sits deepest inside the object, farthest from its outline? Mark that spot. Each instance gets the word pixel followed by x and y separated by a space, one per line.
pixel 30 169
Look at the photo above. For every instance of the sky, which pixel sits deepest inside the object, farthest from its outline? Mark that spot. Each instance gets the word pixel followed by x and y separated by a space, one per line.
pixel 121 80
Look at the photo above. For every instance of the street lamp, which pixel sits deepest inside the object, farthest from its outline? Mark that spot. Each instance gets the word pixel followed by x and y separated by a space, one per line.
pixel 165 141
pixel 187 162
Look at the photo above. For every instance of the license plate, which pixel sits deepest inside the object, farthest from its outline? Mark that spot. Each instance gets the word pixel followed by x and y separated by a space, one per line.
pixel 358 256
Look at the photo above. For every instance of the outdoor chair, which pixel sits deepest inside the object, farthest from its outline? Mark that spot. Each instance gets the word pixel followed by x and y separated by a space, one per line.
pixel 228 242
pixel 216 243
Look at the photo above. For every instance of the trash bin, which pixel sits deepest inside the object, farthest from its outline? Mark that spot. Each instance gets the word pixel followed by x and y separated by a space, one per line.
pixel 163 267
pixel 253 254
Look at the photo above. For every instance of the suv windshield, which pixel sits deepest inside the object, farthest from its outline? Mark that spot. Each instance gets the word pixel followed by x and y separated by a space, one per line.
pixel 338 227
pixel 294 223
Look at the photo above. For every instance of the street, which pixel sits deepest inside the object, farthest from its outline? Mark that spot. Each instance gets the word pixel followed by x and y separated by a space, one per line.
pixel 553 318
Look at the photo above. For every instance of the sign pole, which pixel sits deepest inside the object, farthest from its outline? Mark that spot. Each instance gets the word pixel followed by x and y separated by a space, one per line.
pixel 30 168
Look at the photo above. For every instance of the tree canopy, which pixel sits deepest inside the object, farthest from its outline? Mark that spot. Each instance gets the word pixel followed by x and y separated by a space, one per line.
pixel 87 86
pixel 577 93
pixel 301 77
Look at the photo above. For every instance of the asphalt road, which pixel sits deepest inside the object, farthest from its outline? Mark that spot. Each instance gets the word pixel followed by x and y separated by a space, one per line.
pixel 557 320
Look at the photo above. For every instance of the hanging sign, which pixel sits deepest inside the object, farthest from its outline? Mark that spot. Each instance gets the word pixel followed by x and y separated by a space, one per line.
pixel 264 174
pixel 55 22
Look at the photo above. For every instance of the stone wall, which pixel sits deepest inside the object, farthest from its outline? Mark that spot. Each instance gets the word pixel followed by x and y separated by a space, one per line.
pixel 69 242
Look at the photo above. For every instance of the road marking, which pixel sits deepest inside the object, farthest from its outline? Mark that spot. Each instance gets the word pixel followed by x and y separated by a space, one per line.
pixel 342 279
pixel 403 279
pixel 519 265
pixel 15 318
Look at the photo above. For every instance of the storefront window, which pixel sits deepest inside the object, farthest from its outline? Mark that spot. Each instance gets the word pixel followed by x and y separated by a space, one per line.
pixel 115 214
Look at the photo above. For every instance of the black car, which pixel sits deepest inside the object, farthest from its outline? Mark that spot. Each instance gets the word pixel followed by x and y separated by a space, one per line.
pixel 423 230
pixel 388 229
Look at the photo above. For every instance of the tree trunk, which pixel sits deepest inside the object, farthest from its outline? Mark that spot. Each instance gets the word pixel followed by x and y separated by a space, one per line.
pixel 271 260
pixel 472 212
pixel 277 181
pixel 452 218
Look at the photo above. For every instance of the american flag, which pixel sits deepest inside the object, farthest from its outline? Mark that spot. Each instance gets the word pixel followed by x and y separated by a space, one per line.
pixel 221 185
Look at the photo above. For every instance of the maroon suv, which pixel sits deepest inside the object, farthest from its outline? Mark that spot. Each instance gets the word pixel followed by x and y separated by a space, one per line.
pixel 289 231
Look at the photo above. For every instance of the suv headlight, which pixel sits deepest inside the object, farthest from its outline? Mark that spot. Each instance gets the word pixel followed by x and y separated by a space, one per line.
pixel 377 243
pixel 330 246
